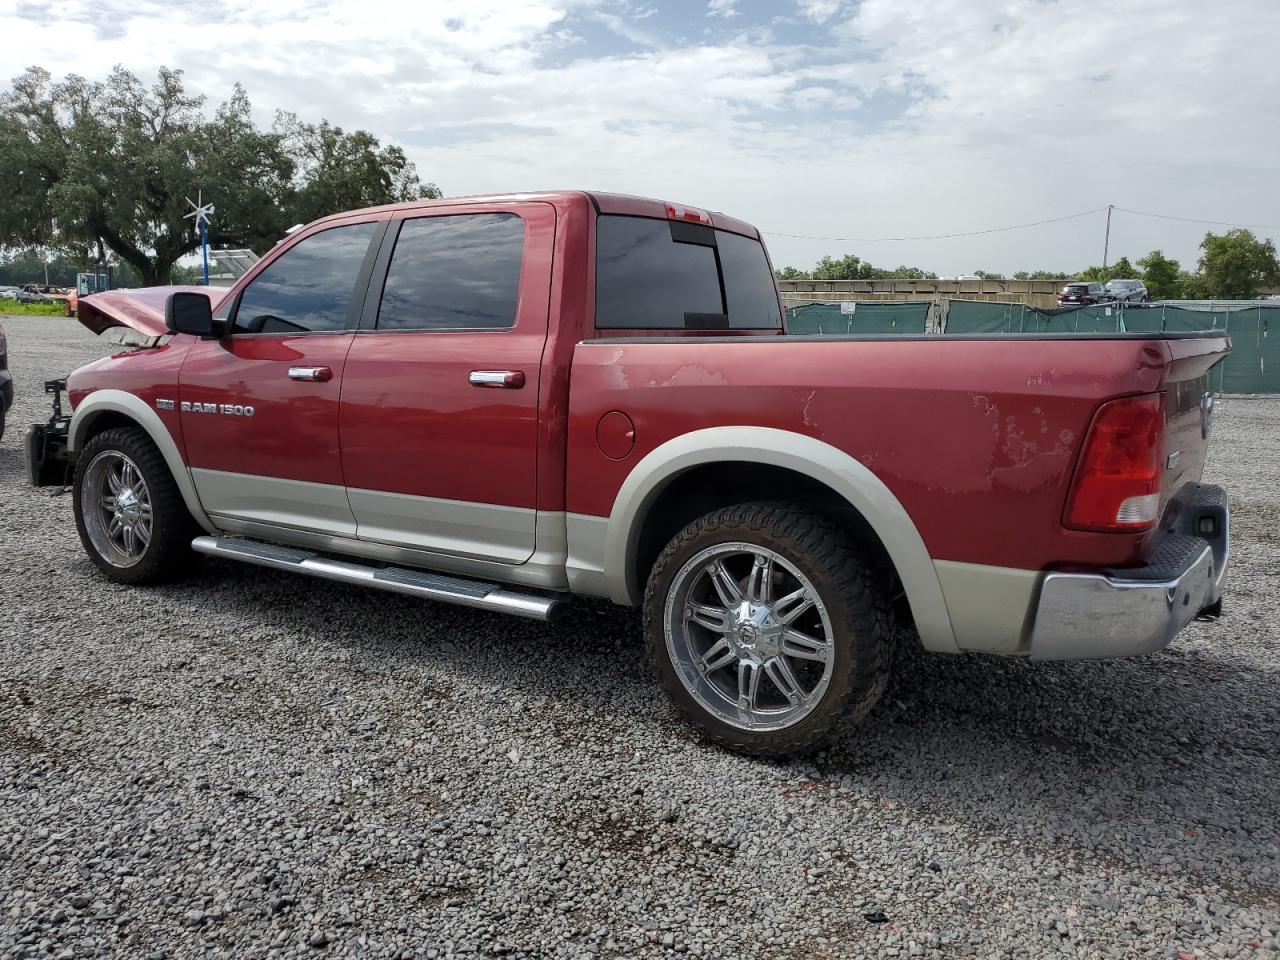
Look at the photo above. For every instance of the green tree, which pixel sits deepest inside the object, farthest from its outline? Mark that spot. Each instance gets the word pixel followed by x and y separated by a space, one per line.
pixel 1160 276
pixel 988 275
pixel 791 273
pixel 1041 275
pixel 901 272
pixel 1122 269
pixel 109 166
pixel 1235 264
pixel 850 267
pixel 337 171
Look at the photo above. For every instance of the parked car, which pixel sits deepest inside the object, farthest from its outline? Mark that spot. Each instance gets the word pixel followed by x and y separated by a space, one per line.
pixel 1081 294
pixel 1126 291
pixel 6 381
pixel 26 296
pixel 560 395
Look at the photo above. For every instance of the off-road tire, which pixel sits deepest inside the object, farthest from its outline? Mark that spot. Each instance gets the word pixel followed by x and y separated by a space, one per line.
pixel 168 556
pixel 854 588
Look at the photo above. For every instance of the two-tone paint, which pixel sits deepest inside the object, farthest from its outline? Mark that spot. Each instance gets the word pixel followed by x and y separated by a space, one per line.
pixel 958 452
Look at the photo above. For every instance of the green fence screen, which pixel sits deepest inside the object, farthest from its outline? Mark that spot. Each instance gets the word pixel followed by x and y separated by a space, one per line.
pixel 910 317
pixel 1252 367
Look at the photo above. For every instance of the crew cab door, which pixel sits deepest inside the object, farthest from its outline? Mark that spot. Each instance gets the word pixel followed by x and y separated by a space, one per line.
pixel 440 395
pixel 259 408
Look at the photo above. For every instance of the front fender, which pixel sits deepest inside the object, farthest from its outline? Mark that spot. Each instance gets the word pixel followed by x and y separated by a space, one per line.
pixel 99 402
pixel 781 448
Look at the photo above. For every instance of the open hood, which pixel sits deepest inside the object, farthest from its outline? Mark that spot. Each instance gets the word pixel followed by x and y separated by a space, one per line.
pixel 141 310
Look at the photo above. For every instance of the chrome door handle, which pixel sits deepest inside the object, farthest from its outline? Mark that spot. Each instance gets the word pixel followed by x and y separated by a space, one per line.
pixel 318 374
pixel 511 379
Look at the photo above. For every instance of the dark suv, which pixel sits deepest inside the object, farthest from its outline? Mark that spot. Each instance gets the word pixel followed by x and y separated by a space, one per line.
pixel 1081 293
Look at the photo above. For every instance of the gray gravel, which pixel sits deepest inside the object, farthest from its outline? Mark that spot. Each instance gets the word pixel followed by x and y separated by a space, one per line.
pixel 259 765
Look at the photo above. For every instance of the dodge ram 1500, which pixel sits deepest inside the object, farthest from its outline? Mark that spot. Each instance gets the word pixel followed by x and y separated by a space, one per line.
pixel 506 401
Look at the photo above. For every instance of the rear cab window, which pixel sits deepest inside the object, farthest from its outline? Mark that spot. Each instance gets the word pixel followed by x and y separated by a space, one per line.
pixel 654 274
pixel 454 272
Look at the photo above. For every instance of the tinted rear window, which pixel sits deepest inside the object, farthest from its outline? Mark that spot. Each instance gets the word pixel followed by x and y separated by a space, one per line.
pixel 454 272
pixel 660 274
pixel 1075 288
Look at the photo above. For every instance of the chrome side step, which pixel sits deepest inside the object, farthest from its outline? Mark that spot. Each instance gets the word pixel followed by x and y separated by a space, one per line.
pixel 414 583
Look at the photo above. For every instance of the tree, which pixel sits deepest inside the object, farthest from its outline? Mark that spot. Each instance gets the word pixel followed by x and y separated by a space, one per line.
pixel 1235 264
pixel 1041 274
pixel 1160 276
pixel 901 272
pixel 791 273
pixel 850 267
pixel 988 275
pixel 1122 269
pixel 110 166
pixel 345 171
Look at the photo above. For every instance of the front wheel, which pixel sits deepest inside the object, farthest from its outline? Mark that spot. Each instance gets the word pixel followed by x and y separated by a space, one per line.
pixel 129 512
pixel 767 624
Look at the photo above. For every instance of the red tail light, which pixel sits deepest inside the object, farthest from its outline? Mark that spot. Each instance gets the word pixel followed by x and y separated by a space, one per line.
pixel 1117 483
pixel 693 214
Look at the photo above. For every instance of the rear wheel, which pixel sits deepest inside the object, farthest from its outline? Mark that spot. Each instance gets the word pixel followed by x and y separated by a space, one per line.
pixel 767 624
pixel 129 512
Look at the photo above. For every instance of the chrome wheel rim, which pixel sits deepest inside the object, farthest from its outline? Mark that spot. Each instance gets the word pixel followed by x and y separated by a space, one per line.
pixel 116 505
pixel 749 637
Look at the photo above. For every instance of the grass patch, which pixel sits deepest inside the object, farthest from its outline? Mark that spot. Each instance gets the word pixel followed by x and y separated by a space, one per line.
pixel 12 308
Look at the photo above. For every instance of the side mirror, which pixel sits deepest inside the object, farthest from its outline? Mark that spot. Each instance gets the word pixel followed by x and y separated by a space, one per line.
pixel 186 312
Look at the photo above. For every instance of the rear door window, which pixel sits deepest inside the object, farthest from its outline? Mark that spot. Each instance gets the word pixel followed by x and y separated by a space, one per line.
pixel 675 275
pixel 454 272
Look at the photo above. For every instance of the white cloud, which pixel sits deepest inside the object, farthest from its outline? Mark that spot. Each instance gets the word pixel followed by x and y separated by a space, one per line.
pixel 924 118
pixel 721 8
pixel 820 11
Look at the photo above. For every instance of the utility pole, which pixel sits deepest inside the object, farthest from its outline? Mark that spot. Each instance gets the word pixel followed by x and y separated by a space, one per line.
pixel 1106 243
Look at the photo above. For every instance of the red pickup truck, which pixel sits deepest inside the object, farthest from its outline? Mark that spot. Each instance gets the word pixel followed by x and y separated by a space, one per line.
pixel 505 401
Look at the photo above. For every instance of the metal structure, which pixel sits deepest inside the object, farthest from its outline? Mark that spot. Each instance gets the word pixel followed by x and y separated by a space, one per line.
pixel 202 212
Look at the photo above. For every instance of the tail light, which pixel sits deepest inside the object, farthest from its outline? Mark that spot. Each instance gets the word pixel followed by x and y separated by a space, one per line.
pixel 692 214
pixel 1117 484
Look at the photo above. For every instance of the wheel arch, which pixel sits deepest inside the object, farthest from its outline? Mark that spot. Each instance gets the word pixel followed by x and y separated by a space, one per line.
pixel 105 409
pixel 635 522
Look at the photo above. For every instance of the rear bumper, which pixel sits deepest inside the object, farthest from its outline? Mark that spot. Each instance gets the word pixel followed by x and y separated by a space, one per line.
pixel 1124 613
pixel 6 390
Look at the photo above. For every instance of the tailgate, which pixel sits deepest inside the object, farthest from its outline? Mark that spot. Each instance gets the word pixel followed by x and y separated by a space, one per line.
pixel 1188 407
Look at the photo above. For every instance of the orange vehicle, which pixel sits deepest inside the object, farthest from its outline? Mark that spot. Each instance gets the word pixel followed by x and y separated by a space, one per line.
pixel 71 304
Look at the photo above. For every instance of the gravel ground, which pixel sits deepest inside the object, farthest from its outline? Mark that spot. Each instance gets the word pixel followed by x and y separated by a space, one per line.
pixel 261 765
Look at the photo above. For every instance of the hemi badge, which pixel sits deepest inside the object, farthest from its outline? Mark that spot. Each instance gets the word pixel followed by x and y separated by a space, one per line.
pixel 164 404
pixel 1172 461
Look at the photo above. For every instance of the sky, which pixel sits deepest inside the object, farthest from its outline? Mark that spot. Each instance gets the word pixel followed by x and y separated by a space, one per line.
pixel 846 120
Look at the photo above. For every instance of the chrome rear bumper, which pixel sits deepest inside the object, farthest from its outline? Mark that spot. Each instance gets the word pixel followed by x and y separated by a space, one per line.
pixel 1124 613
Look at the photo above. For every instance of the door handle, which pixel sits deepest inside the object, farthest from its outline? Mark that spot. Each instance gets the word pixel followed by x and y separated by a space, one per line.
pixel 318 374
pixel 510 379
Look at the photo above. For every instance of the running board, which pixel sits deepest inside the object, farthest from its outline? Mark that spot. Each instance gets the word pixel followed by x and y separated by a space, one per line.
pixel 413 583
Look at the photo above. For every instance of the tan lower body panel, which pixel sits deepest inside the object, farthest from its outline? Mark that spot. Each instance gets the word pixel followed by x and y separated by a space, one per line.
pixel 991 608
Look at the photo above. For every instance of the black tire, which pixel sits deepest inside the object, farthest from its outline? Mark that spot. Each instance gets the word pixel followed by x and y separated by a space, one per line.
pixel 168 555
pixel 853 589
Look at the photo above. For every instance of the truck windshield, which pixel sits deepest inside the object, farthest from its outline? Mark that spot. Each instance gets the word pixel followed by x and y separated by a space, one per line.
pixel 670 274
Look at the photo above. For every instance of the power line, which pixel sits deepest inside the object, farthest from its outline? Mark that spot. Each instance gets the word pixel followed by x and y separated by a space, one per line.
pixel 1023 226
pixel 941 236
pixel 1212 223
